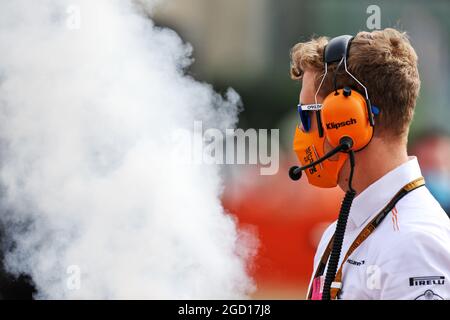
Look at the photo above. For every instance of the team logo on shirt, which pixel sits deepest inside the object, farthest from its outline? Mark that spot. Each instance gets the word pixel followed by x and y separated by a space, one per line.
pixel 429 295
pixel 426 281
pixel 356 263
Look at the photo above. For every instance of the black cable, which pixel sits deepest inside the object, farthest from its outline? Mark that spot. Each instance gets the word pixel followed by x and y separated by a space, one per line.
pixel 340 230
pixel 351 155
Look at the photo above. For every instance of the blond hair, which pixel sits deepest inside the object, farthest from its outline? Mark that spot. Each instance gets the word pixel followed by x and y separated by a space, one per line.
pixel 384 61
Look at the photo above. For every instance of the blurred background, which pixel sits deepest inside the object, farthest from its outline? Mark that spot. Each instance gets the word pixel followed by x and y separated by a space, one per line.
pixel 245 44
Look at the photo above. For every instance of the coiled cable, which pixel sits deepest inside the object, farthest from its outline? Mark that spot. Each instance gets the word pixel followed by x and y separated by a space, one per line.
pixel 340 231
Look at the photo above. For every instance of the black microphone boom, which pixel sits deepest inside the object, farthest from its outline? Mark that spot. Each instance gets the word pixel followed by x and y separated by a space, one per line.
pixel 346 143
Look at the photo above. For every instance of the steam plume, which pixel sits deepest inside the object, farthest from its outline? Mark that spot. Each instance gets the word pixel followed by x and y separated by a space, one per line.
pixel 91 122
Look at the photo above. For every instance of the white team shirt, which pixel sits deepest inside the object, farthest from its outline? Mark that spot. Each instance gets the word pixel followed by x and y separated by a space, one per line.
pixel 408 254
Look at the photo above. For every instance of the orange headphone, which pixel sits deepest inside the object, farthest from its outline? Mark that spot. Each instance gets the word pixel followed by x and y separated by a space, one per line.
pixel 344 114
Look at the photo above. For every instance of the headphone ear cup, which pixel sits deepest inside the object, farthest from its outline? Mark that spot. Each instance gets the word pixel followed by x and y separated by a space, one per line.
pixel 344 114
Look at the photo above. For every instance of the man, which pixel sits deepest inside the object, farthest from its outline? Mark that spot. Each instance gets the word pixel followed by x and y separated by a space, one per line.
pixel 407 256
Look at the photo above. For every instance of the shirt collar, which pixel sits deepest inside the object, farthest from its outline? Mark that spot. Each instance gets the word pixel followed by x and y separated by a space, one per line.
pixel 379 193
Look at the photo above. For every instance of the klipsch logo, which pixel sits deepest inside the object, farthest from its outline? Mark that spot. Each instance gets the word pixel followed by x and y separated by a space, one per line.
pixel 426 281
pixel 333 125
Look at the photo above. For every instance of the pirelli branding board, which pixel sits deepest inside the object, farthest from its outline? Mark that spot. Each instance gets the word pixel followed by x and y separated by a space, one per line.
pixel 426 281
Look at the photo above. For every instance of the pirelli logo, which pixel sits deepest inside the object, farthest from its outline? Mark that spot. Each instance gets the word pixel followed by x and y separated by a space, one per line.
pixel 426 281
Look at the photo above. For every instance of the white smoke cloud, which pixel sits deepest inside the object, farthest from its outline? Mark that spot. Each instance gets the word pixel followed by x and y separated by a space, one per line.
pixel 93 99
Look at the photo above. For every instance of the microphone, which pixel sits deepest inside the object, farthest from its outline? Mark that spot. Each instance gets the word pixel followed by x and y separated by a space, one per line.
pixel 295 173
pixel 345 144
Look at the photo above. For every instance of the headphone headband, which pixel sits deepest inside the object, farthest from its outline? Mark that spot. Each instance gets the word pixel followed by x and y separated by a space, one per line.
pixel 337 48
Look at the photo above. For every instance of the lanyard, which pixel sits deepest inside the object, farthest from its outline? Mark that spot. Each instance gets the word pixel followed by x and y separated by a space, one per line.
pixel 336 286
